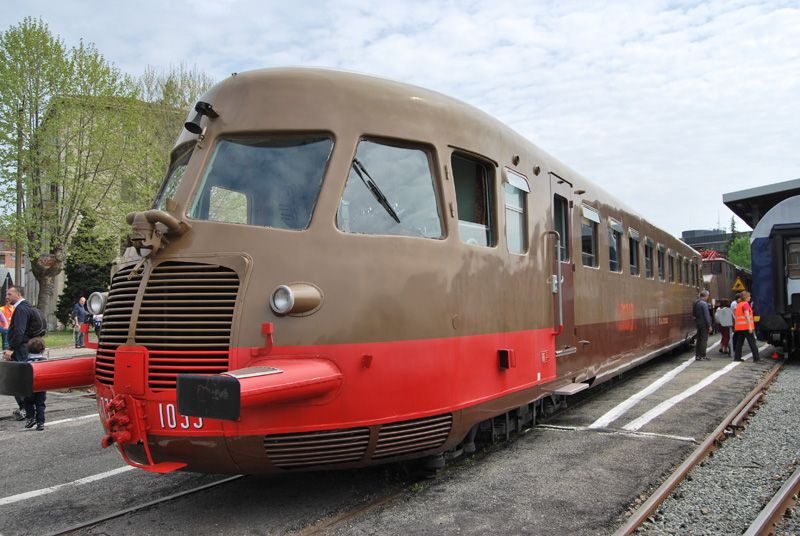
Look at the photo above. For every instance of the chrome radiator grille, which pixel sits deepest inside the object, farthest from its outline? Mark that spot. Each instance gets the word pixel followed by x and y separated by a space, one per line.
pixel 184 320
pixel 117 318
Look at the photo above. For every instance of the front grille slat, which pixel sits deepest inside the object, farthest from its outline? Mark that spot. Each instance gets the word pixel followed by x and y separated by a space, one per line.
pixel 186 307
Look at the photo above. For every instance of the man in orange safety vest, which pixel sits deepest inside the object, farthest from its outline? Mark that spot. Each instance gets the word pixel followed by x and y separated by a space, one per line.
pixel 744 326
pixel 5 319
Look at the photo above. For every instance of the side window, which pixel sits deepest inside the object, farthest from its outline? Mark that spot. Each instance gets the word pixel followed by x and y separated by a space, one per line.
pixel 649 246
pixel 561 217
pixel 516 189
pixel 170 185
pixel 686 271
pixel 633 245
pixel 474 199
pixel 671 267
pixel 614 246
pixel 793 259
pixel 680 263
pixel 661 254
pixel 389 192
pixel 589 222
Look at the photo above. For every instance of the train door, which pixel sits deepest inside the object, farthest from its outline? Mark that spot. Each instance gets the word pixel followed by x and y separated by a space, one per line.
pixel 563 264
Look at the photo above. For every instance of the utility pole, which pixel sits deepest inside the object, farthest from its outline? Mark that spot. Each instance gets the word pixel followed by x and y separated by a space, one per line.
pixel 17 242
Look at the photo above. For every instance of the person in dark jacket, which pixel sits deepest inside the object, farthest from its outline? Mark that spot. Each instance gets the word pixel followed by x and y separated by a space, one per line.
pixel 702 319
pixel 18 335
pixel 35 404
pixel 79 316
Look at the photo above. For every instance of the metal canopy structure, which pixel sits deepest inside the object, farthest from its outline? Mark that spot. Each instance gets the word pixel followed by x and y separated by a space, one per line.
pixel 751 204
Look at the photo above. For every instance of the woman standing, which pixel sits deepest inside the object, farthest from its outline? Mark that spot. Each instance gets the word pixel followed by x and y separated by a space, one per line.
pixel 724 318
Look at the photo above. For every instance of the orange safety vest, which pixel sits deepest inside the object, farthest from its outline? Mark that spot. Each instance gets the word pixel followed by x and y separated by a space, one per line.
pixel 743 318
pixel 7 311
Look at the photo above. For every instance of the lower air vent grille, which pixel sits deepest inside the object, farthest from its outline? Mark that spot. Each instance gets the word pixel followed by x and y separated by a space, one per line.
pixel 311 449
pixel 408 437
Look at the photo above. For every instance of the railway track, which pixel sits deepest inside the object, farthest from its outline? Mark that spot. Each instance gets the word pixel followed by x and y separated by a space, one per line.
pixel 764 523
pixel 161 500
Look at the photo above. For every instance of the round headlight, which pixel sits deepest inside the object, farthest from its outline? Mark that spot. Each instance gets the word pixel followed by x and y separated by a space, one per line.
pixel 296 299
pixel 282 300
pixel 97 302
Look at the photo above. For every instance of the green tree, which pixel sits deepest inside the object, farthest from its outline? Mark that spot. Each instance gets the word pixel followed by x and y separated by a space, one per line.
pixel 739 252
pixel 731 237
pixel 87 268
pixel 68 118
pixel 169 96
pixel 33 70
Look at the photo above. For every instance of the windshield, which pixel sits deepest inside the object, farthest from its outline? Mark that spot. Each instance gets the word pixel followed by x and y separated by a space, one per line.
pixel 173 180
pixel 266 182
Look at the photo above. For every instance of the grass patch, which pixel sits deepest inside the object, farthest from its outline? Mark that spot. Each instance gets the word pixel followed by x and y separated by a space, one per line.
pixel 64 339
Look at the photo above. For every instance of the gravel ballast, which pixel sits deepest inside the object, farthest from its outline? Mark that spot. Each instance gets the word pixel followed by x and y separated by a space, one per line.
pixel 724 493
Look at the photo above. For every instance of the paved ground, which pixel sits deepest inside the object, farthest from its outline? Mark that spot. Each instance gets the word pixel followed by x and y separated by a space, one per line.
pixel 561 479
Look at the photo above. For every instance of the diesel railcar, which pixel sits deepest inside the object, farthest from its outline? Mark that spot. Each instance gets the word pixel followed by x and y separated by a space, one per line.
pixel 724 279
pixel 341 270
pixel 775 253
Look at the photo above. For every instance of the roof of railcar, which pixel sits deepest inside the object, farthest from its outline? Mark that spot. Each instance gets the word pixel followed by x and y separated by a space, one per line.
pixel 354 93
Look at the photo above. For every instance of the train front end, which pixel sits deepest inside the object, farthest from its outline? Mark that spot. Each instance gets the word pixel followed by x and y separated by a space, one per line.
pixel 293 301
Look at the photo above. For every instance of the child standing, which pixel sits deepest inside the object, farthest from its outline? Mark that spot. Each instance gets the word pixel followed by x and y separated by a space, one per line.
pixel 34 405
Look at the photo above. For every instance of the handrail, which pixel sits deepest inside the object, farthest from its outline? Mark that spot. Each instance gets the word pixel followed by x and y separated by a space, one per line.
pixel 557 286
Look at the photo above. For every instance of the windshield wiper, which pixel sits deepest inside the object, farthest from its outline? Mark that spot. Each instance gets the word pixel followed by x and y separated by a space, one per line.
pixel 372 187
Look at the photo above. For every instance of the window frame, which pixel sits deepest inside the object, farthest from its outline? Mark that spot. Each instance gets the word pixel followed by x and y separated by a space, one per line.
pixel 489 196
pixel 615 232
pixel 634 245
pixel 686 271
pixel 591 216
pixel 402 230
pixel 671 265
pixel 564 252
pixel 792 253
pixel 200 201
pixel 518 181
pixel 649 247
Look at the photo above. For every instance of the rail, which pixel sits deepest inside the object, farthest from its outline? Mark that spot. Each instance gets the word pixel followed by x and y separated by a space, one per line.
pixel 770 516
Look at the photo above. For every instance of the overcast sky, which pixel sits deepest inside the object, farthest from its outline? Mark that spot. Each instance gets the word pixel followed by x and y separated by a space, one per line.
pixel 667 104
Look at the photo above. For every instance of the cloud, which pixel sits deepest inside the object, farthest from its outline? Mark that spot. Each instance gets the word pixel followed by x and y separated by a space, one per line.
pixel 667 104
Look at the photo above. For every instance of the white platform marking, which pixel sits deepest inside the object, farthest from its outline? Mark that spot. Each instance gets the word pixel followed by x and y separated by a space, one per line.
pixel 44 491
pixel 636 424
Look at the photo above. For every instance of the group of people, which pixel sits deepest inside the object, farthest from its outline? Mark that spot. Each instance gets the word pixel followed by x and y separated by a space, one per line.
pixel 19 346
pixel 736 317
